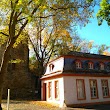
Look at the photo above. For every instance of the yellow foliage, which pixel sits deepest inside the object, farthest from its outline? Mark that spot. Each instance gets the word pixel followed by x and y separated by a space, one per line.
pixel 16 61
pixel 106 53
pixel 22 38
pixel 63 33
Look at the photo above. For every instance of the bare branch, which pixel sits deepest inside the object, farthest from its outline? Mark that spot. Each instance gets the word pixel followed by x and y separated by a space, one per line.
pixel 50 55
pixel 20 19
pixel 48 40
pixel 19 14
pixel 11 19
pixel 37 55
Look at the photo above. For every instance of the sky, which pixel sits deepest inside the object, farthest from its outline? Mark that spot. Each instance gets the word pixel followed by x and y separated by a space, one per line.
pixel 99 34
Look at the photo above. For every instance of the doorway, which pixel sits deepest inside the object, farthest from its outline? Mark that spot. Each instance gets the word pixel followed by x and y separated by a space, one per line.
pixel 44 91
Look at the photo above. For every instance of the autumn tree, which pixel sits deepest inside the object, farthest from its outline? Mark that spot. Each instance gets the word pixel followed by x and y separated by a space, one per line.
pixel 102 49
pixel 53 28
pixel 18 13
pixel 50 34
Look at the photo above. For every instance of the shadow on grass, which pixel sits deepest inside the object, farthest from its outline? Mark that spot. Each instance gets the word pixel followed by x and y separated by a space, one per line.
pixel 19 101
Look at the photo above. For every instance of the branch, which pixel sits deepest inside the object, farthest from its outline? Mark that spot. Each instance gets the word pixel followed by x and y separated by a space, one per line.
pixel 4 34
pixel 22 27
pixel 30 2
pixel 11 5
pixel 37 55
pixel 16 1
pixel 21 19
pixel 48 40
pixel 50 54
pixel 60 8
pixel 19 14
pixel 46 16
pixel 11 19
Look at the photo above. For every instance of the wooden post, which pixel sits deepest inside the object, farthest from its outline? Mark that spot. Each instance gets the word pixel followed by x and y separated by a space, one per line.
pixel 8 99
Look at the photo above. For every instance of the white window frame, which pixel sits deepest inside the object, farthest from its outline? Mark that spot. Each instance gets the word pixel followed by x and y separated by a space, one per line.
pixel 90 65
pixel 105 88
pixel 101 66
pixel 78 65
pixel 93 88
pixel 51 66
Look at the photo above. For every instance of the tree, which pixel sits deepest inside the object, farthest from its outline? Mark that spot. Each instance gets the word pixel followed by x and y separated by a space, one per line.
pixel 102 49
pixel 104 12
pixel 45 42
pixel 18 13
pixel 54 22
pixel 52 29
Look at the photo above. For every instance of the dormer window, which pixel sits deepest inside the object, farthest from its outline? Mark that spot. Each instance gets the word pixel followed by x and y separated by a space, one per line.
pixel 51 66
pixel 78 64
pixel 101 66
pixel 108 66
pixel 90 65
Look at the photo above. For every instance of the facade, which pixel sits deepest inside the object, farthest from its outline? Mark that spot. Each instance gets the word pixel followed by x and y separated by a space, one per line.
pixel 77 79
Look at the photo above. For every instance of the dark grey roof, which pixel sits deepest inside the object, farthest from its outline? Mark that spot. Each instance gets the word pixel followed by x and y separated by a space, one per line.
pixel 88 55
pixel 69 63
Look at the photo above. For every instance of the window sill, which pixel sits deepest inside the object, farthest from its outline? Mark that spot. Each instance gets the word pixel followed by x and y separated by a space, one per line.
pixel 106 96
pixel 82 99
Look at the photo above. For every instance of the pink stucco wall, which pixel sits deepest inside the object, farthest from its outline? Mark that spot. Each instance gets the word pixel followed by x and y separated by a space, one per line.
pixel 60 100
pixel 70 90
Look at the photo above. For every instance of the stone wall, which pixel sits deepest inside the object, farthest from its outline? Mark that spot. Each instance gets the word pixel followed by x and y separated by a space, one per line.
pixel 18 78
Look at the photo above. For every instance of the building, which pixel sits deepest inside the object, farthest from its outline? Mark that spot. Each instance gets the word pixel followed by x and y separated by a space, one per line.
pixel 77 79
pixel 18 78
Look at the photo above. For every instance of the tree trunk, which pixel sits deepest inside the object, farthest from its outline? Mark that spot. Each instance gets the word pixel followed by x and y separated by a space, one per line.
pixel 41 72
pixel 3 69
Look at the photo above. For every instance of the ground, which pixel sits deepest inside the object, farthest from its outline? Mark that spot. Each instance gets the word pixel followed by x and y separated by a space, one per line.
pixel 29 105
pixel 42 105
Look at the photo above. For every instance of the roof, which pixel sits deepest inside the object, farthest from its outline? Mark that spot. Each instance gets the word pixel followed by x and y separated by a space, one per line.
pixel 81 54
pixel 69 63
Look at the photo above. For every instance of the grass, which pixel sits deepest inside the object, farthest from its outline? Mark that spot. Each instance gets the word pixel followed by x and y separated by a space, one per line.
pixel 39 104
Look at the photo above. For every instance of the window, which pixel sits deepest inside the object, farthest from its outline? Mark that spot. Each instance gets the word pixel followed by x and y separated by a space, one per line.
pixel 105 89
pixel 93 88
pixel 51 66
pixel 90 65
pixel 101 66
pixel 56 89
pixel 50 89
pixel 80 89
pixel 108 66
pixel 78 64
pixel 13 64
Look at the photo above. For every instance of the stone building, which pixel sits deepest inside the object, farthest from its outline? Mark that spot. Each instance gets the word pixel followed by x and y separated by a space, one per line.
pixel 18 78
